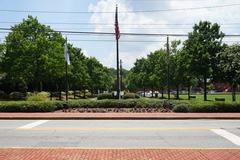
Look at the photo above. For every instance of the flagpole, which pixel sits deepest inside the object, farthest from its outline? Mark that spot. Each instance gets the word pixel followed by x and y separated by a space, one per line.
pixel 121 75
pixel 66 82
pixel 118 79
pixel 117 49
pixel 66 76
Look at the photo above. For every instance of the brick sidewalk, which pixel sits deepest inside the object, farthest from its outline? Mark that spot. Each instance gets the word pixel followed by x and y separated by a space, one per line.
pixel 62 115
pixel 121 154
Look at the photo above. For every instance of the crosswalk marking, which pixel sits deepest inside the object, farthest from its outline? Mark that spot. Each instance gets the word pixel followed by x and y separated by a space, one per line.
pixel 34 124
pixel 231 137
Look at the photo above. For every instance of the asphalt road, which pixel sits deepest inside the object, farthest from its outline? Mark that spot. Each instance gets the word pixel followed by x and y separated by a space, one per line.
pixel 120 133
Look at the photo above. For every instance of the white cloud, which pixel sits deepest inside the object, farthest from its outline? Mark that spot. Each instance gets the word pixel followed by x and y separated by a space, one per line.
pixel 130 51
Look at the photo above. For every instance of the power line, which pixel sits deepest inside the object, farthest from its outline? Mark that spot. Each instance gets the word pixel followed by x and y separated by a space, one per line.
pixel 127 34
pixel 122 24
pixel 110 12
pixel 134 41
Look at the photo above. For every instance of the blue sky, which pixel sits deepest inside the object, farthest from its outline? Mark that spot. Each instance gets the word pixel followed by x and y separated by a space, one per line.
pixel 129 51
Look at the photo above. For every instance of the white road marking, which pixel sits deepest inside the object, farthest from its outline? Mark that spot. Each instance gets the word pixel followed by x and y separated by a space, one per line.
pixel 34 124
pixel 231 137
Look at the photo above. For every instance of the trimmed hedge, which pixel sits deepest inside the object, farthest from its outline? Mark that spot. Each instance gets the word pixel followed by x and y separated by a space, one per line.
pixel 110 105
pixel 130 96
pixel 40 96
pixel 107 105
pixel 215 107
pixel 27 106
pixel 105 96
pixel 111 96
pixel 181 108
pixel 128 103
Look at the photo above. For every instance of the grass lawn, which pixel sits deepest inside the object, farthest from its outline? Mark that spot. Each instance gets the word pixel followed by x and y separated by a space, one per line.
pixel 211 97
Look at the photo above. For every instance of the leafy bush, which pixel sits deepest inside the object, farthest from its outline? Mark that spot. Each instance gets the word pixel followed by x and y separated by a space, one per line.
pixel 215 107
pixel 113 105
pixel 27 106
pixel 17 96
pixel 41 96
pixel 130 96
pixel 105 96
pixel 180 108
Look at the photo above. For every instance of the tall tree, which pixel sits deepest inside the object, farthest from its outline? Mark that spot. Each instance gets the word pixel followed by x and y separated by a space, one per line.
pixel 79 76
pixel 203 44
pixel 34 55
pixel 99 76
pixel 161 70
pixel 176 72
pixel 230 66
pixel 138 77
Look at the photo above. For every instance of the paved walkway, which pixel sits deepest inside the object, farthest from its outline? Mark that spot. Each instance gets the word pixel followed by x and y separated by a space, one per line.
pixel 119 154
pixel 62 115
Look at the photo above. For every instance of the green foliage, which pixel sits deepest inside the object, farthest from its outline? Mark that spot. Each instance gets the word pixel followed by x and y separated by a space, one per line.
pixel 32 59
pixel 79 76
pixel 34 54
pixel 112 103
pixel 130 96
pixel 180 108
pixel 230 63
pixel 230 66
pixel 202 45
pixel 215 107
pixel 41 96
pixel 100 78
pixel 27 106
pixel 105 96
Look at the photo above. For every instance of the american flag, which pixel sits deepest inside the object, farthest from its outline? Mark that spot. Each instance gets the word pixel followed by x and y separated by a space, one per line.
pixel 117 32
pixel 66 55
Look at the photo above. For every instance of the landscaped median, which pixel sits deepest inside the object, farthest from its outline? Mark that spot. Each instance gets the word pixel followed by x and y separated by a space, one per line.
pixel 142 105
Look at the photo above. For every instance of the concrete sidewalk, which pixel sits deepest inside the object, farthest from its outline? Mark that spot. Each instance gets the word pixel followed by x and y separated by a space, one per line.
pixel 118 154
pixel 62 115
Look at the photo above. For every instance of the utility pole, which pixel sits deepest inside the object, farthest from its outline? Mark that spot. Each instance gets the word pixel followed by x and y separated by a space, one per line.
pixel 121 75
pixel 168 59
pixel 66 55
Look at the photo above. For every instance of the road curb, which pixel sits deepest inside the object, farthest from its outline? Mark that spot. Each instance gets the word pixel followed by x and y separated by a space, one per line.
pixel 117 118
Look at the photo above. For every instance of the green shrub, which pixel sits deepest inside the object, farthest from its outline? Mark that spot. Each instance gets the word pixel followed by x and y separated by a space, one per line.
pixel 17 96
pixel 215 107
pixel 130 96
pixel 113 103
pixel 180 108
pixel 41 96
pixel 27 106
pixel 105 96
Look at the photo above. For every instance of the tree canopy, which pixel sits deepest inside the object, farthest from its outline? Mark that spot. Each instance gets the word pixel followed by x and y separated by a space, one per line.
pixel 32 59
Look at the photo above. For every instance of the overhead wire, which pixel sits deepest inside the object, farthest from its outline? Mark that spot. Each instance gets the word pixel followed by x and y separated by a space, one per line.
pixel 126 33
pixel 110 12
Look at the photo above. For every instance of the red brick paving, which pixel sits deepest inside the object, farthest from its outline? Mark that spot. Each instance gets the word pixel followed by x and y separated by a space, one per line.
pixel 62 115
pixel 119 154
